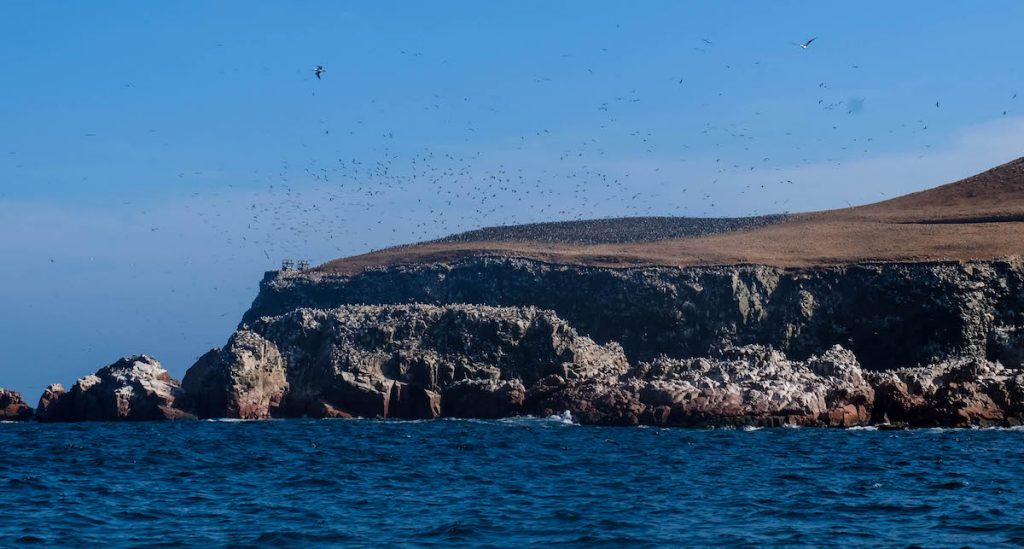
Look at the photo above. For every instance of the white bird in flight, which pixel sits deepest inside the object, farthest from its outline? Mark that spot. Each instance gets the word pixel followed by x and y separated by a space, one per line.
pixel 807 44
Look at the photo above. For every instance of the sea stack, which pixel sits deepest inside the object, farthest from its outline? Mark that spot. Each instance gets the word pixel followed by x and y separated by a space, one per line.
pixel 13 407
pixel 134 388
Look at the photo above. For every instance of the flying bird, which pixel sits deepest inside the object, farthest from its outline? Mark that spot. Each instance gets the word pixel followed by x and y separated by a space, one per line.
pixel 807 44
pixel 318 71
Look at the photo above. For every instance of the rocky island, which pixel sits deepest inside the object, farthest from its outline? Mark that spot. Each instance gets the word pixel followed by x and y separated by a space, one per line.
pixel 908 312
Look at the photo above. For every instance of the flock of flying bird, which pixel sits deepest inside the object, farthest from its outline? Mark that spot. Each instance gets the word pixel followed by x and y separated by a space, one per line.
pixel 442 191
pixel 320 206
pixel 464 191
pixel 389 193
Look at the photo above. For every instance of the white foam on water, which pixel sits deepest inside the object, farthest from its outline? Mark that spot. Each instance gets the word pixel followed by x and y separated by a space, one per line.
pixel 561 418
pixel 749 428
pixel 565 418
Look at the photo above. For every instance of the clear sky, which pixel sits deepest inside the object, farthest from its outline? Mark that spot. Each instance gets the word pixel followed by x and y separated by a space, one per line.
pixel 157 157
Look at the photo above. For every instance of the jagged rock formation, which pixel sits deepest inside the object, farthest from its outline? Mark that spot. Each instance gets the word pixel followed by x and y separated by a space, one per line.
pixel 958 393
pixel 415 361
pixel 889 315
pixel 425 361
pixel 750 385
pixel 13 407
pixel 133 388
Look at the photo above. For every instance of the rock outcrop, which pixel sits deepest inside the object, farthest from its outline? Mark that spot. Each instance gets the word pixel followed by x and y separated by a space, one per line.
pixel 134 388
pixel 751 385
pixel 13 407
pixel 925 344
pixel 959 393
pixel 892 315
pixel 54 404
pixel 410 361
pixel 425 361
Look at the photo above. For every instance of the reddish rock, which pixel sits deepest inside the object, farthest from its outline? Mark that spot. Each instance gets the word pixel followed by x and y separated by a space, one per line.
pixel 13 407
pixel 323 410
pixel 413 402
pixel 960 393
pixel 246 380
pixel 483 398
pixel 740 386
pixel 134 388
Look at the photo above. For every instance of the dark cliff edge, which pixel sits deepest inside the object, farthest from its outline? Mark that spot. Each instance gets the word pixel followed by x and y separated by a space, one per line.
pixel 890 315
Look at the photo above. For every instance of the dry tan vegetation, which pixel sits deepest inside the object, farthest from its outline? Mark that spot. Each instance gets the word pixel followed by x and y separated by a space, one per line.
pixel 981 217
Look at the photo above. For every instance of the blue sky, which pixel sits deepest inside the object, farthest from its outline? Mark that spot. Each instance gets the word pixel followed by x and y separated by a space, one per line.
pixel 156 158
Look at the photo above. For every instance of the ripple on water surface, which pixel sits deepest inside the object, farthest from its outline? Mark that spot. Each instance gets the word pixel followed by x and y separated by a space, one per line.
pixel 505 482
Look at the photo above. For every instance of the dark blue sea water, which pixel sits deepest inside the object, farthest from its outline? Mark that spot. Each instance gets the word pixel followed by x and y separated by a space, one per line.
pixel 504 483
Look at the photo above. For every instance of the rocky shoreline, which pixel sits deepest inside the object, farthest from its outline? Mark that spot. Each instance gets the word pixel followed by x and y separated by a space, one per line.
pixel 423 361
pixel 916 345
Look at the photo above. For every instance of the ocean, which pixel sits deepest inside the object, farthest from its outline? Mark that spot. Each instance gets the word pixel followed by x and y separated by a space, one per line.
pixel 504 483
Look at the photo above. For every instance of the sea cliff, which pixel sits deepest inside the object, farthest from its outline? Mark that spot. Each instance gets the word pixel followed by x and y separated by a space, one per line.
pixel 898 344
pixel 890 315
pixel 903 343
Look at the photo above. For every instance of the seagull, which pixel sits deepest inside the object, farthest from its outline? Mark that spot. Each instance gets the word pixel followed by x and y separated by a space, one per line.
pixel 807 44
pixel 318 71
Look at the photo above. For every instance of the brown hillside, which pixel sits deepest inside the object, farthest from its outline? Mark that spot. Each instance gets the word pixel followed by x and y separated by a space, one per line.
pixel 981 217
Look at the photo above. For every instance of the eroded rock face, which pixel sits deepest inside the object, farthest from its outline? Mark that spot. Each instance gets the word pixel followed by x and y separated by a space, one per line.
pixel 246 379
pixel 134 388
pixel 54 404
pixel 960 393
pixel 425 361
pixel 751 385
pixel 409 361
pixel 13 407
pixel 894 315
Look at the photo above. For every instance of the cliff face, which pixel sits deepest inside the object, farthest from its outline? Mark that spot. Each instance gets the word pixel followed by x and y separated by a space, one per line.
pixel 923 344
pixel 416 361
pixel 888 315
pixel 425 361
